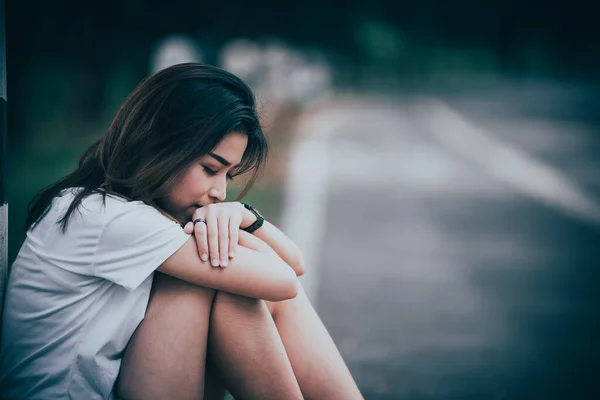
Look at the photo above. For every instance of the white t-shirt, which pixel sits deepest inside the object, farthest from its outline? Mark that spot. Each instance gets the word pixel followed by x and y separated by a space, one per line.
pixel 73 300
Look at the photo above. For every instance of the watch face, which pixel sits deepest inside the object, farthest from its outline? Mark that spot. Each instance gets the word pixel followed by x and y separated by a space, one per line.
pixel 254 210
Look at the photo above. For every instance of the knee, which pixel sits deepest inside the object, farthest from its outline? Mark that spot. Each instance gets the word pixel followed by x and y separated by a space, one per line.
pixel 242 315
pixel 227 306
pixel 227 300
pixel 172 293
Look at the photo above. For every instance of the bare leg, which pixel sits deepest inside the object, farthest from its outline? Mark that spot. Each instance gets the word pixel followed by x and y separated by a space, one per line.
pixel 166 356
pixel 244 340
pixel 318 365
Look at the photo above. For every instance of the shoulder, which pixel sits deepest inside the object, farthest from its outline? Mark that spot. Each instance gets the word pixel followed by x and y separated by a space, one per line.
pixel 100 209
pixel 98 203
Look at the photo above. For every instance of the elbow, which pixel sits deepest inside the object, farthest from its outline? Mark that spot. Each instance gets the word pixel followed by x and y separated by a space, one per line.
pixel 299 266
pixel 285 288
pixel 291 289
pixel 299 269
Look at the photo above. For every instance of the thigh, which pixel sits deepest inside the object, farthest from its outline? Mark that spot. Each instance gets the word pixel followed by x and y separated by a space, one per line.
pixel 166 355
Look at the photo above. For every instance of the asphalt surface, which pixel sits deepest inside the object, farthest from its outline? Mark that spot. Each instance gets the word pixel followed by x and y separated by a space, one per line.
pixel 437 279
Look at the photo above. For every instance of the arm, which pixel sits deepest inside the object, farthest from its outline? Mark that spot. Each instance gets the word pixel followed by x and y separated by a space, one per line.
pixel 218 235
pixel 278 241
pixel 256 271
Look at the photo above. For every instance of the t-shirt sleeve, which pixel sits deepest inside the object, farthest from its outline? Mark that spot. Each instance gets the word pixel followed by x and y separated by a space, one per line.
pixel 134 242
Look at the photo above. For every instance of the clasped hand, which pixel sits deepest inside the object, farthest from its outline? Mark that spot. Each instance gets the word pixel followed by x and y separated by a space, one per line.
pixel 217 238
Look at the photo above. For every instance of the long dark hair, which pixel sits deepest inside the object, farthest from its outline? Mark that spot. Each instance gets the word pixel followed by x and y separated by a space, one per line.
pixel 170 120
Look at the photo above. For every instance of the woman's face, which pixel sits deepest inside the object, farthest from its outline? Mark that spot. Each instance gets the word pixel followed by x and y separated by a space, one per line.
pixel 205 181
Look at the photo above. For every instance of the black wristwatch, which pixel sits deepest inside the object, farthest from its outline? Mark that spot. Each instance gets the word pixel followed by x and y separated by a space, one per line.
pixel 259 219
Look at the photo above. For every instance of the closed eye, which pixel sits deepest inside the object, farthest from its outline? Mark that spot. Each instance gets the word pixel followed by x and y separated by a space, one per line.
pixel 210 171
pixel 214 173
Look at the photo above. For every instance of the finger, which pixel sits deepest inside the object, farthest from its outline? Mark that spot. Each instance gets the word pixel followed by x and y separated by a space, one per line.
pixel 213 239
pixel 201 240
pixel 223 223
pixel 234 232
pixel 189 228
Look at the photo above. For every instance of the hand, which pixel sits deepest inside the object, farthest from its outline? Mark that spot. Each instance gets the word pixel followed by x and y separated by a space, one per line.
pixel 217 239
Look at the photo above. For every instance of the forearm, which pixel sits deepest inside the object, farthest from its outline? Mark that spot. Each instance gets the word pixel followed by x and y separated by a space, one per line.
pixel 255 272
pixel 281 244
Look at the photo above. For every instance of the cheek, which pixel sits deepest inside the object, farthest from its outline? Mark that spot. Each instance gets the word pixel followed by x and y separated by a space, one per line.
pixel 194 184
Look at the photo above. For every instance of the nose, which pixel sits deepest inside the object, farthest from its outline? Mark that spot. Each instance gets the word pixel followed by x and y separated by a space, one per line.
pixel 219 192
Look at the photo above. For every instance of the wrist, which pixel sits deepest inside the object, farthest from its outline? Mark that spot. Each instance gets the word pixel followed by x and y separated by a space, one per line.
pixel 248 218
pixel 258 222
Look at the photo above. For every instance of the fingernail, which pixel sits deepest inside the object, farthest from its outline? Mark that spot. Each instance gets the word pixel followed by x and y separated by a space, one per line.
pixel 224 262
pixel 215 262
pixel 231 255
pixel 204 256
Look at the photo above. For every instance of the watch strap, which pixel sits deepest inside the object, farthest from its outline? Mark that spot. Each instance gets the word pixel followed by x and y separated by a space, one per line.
pixel 259 219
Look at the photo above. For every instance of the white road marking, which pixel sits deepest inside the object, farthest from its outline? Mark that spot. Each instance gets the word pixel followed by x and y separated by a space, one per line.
pixel 319 156
pixel 306 190
pixel 506 163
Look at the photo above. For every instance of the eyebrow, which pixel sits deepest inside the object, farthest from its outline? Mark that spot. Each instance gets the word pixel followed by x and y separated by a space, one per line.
pixel 221 159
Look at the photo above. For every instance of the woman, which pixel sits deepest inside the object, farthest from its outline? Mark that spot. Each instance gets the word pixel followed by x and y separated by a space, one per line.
pixel 87 317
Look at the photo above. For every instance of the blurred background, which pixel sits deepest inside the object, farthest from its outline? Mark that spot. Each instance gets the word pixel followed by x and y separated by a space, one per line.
pixel 438 163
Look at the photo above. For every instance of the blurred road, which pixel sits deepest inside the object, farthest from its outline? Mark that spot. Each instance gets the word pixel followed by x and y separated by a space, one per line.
pixel 460 248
